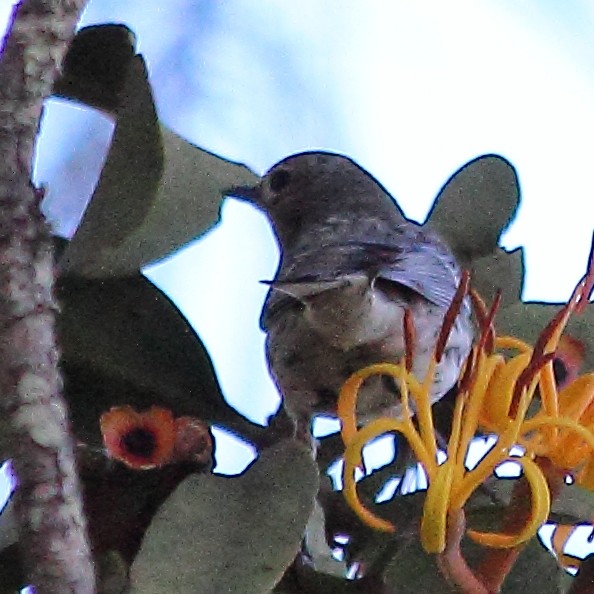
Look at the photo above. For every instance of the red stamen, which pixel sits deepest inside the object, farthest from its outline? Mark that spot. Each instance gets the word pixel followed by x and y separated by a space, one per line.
pixel 409 339
pixel 549 330
pixel 479 308
pixel 451 315
pixel 536 363
pixel 469 372
pixel 487 339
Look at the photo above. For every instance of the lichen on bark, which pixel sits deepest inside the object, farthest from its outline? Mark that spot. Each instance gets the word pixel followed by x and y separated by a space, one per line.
pixel 48 503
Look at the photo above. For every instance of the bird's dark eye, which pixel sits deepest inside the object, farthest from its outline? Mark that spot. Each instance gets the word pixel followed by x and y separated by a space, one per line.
pixel 279 179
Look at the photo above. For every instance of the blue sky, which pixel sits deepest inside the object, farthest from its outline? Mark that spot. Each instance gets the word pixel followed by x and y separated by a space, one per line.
pixel 411 90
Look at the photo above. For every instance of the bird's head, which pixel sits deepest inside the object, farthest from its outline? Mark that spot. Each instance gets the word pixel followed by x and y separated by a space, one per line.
pixel 312 188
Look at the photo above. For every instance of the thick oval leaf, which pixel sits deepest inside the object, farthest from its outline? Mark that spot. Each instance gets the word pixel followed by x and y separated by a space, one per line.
pixel 476 204
pixel 125 342
pixel 535 570
pixel 157 191
pixel 94 69
pixel 573 504
pixel 232 535
pixel 527 320
pixel 412 570
pixel 500 270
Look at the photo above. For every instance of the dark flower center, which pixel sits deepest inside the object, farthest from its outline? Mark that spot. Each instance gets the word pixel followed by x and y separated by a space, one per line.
pixel 560 370
pixel 140 442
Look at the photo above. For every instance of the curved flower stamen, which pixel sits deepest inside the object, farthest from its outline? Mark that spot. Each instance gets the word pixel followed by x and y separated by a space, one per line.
pixel 353 460
pixel 347 400
pixel 585 434
pixel 541 505
pixel 355 441
pixel 575 400
pixel 451 315
pixel 435 510
pixel 496 391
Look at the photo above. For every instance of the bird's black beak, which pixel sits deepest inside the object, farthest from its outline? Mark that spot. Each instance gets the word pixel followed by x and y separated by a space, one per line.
pixel 248 193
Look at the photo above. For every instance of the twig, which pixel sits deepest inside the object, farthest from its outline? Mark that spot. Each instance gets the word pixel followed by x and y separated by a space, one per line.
pixel 451 562
pixel 48 504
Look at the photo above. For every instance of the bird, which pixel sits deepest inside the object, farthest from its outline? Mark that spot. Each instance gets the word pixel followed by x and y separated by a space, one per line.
pixel 350 265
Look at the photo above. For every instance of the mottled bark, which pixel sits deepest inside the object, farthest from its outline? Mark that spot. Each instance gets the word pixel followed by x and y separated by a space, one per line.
pixel 48 503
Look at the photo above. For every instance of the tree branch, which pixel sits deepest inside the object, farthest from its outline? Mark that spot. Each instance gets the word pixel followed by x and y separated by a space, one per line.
pixel 48 502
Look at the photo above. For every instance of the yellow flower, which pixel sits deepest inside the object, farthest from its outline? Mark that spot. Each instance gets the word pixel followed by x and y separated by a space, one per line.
pixel 495 392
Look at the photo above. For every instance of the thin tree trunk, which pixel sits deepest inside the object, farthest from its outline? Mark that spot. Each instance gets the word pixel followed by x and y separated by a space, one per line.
pixel 48 502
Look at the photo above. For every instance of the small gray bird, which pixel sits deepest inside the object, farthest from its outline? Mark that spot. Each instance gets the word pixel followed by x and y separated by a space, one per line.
pixel 350 264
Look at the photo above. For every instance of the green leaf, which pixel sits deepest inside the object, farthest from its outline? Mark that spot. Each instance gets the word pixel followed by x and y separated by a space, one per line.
pixel 527 320
pixel 412 570
pixel 232 535
pixel 500 270
pixel 573 504
pixel 94 69
pixel 157 191
pixel 125 342
pixel 476 205
pixel 536 570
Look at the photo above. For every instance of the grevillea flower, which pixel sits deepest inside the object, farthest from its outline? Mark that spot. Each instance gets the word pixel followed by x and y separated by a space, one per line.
pixel 495 392
pixel 141 440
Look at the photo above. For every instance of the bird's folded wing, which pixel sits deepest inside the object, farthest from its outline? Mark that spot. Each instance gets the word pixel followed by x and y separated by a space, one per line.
pixel 424 268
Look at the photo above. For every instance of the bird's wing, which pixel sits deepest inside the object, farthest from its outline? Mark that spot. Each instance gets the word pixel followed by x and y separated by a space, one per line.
pixel 426 269
pixel 277 304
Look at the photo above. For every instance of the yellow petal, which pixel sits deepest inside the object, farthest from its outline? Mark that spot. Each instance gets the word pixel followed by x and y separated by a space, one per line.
pixel 475 408
pixel 499 394
pixel 576 398
pixel 422 397
pixel 541 505
pixel 510 342
pixel 353 457
pixel 565 451
pixel 548 390
pixel 347 399
pixel 433 522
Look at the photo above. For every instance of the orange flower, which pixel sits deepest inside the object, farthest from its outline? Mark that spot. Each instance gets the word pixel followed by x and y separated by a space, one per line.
pixel 141 440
